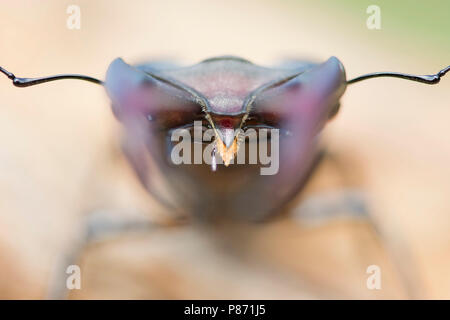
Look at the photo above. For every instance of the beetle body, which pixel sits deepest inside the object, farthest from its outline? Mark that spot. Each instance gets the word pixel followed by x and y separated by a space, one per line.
pixel 225 94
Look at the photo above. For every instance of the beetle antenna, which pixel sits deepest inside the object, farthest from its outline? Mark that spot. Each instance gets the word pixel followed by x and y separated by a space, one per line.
pixel 27 82
pixel 428 79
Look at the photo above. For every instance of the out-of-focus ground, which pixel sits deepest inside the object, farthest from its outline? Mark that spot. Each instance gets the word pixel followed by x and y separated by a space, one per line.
pixel 59 155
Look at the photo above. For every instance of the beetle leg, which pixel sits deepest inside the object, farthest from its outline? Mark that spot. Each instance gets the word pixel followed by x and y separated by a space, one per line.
pixel 328 207
pixel 324 207
pixel 97 227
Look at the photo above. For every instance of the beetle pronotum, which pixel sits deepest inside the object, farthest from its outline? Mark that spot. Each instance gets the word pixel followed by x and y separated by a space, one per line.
pixel 224 93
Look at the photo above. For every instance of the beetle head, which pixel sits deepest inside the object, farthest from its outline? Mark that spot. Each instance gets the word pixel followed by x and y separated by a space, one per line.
pixel 228 96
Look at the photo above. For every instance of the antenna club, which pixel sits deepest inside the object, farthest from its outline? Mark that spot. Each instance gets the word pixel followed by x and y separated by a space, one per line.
pixel 7 73
pixel 443 71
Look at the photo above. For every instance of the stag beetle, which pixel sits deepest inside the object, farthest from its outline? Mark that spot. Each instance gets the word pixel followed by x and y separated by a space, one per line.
pixel 224 94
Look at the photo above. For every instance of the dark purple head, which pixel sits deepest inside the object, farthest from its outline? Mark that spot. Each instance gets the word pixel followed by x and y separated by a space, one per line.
pixel 228 97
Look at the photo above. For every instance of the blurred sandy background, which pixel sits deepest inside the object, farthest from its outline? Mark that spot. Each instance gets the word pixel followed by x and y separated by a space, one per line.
pixel 59 155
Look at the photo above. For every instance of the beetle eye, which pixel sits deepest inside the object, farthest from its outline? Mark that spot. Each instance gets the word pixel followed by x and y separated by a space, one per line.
pixel 264 132
pixel 174 118
pixel 200 131
pixel 257 133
